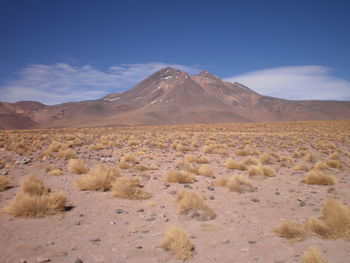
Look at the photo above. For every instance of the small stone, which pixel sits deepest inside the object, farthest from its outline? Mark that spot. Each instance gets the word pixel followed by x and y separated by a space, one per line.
pixel 95 240
pixel 255 200
pixel 141 210
pixel 151 219
pixel 277 193
pixel 211 197
pixel 5 172
pixel 119 211
pixel 78 260
pixel 251 242
pixel 226 241
pixel 22 261
pixel 43 260
pixel 2 166
pixel 210 188
pixel 126 223
pixel 302 203
pixel 24 160
pixel 187 186
pixel 77 223
pixel 139 247
pixel 167 185
pixel 81 215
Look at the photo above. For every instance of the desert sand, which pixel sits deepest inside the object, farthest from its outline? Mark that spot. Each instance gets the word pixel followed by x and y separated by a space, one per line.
pixel 96 226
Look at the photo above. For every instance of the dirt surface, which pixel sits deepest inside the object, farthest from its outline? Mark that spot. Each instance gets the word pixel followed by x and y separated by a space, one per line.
pixel 101 228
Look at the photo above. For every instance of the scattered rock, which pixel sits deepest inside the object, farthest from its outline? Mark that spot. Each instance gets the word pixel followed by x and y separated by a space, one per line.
pixel 78 260
pixel 187 186
pixel 210 188
pixel 120 211
pixel 151 219
pixel 95 240
pixel 251 242
pixel 2 166
pixel 226 241
pixel 211 197
pixel 139 247
pixel 43 260
pixel 255 200
pixel 141 210
pixel 77 223
pixel 22 261
pixel 23 160
pixel 277 193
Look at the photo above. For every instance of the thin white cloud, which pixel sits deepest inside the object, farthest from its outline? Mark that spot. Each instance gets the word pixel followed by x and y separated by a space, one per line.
pixel 61 82
pixel 296 82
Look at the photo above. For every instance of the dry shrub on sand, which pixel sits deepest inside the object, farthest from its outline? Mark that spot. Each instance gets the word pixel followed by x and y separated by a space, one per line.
pixel 129 189
pixel 66 153
pixel 335 221
pixel 35 200
pixel 4 183
pixel 219 182
pixel 177 241
pixel 128 160
pixel 261 170
pixel 77 166
pixel 206 170
pixel 193 205
pixel 267 158
pixel 100 178
pixel 239 184
pixel 247 150
pixel 334 163
pixel 251 161
pixel 174 176
pixel 318 177
pixel 292 231
pixel 301 168
pixel 56 172
pixel 186 166
pixel 321 166
pixel 232 164
pixel 313 255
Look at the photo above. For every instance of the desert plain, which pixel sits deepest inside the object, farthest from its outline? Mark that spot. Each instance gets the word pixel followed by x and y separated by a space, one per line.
pixel 245 192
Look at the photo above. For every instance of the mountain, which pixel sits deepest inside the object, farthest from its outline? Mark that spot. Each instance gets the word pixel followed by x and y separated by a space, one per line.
pixel 171 96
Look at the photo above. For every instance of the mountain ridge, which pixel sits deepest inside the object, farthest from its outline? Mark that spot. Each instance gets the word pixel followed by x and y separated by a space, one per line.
pixel 171 96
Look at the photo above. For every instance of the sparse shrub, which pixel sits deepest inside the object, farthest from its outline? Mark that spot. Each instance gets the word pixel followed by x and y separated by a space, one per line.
pixel 335 221
pixel 56 172
pixel 292 231
pixel 4 183
pixel 206 170
pixel 251 161
pixel 192 205
pixel 318 177
pixel 153 167
pixel 261 170
pixel 176 240
pixel 97 146
pixel 267 158
pixel 232 164
pixel 128 160
pixel 247 150
pixel 309 158
pixel 334 163
pixel 35 200
pixel 66 153
pixel 100 178
pixel 129 189
pixel 186 166
pixel 239 184
pixel 77 166
pixel 313 255
pixel 55 146
pixel 321 166
pixel 174 176
pixel 301 168
pixel 219 182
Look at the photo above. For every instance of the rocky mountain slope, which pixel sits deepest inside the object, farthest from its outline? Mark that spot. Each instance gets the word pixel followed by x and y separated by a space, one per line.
pixel 171 96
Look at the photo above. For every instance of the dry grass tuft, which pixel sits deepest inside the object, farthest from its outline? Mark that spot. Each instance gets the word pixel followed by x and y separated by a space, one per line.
pixel 66 153
pixel 35 200
pixel 100 178
pixel 313 255
pixel 247 150
pixel 335 221
pixel 219 182
pixel 194 206
pixel 206 170
pixel 321 166
pixel 232 164
pixel 239 184
pixel 129 189
pixel 292 231
pixel 56 172
pixel 4 183
pixel 174 176
pixel 334 163
pixel 318 177
pixel 186 166
pixel 77 166
pixel 251 161
pixel 267 158
pixel 301 168
pixel 261 170
pixel 176 240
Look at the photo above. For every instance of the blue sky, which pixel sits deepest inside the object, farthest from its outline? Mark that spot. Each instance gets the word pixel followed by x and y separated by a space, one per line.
pixel 70 50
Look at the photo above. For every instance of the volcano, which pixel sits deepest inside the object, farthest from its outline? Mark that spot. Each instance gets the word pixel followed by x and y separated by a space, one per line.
pixel 168 97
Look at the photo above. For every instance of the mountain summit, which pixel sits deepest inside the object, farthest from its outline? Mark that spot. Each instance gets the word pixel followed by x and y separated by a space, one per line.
pixel 171 96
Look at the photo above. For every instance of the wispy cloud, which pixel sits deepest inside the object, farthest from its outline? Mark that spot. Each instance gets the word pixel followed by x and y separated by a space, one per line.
pixel 61 82
pixel 296 82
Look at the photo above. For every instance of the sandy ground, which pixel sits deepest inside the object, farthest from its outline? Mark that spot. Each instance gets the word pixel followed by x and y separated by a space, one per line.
pixel 94 231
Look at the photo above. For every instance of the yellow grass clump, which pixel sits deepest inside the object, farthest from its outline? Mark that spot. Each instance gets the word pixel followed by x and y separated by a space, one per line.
pixel 251 161
pixel 128 160
pixel 174 176
pixel 239 184
pixel 77 166
pixel 335 221
pixel 318 177
pixel 129 189
pixel 301 168
pixel 292 231
pixel 232 164
pixel 4 183
pixel 35 200
pixel 193 205
pixel 313 255
pixel 100 178
pixel 206 170
pixel 56 172
pixel 321 166
pixel 334 163
pixel 267 158
pixel 261 170
pixel 186 166
pixel 177 241
pixel 247 150
pixel 66 153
